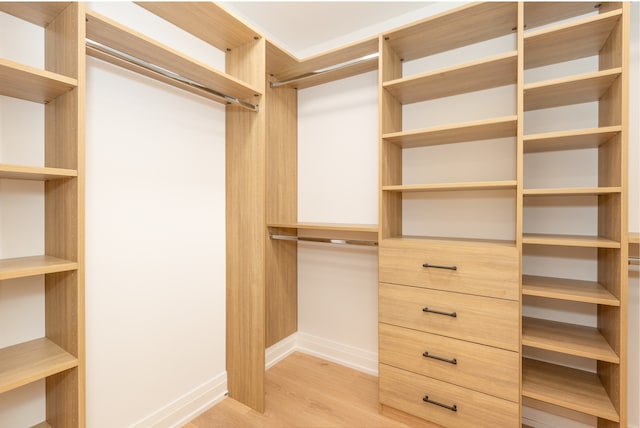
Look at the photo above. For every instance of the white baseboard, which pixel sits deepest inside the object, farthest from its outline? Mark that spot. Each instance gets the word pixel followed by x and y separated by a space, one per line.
pixel 187 407
pixel 339 353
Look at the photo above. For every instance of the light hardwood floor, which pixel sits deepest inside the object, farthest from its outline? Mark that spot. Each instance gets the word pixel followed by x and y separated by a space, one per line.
pixel 306 392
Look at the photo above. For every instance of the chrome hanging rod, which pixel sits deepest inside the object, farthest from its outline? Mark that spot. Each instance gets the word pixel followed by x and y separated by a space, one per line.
pixel 325 240
pixel 325 70
pixel 166 73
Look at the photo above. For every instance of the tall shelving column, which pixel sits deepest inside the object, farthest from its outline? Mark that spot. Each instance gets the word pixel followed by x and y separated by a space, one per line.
pixel 557 34
pixel 59 356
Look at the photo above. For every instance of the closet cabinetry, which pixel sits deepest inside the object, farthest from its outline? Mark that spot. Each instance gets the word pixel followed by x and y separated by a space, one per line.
pixel 449 311
pixel 58 357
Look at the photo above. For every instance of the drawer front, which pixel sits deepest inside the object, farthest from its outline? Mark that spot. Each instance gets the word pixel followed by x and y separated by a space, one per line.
pixel 482 270
pixel 493 322
pixel 406 391
pixel 478 367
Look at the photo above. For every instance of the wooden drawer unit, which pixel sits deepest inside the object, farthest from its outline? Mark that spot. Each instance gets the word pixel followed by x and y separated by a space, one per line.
pixel 448 405
pixel 485 270
pixel 481 368
pixel 493 322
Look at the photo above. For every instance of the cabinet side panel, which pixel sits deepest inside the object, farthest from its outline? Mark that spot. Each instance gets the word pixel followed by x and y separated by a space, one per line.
pixel 63 409
pixel 246 235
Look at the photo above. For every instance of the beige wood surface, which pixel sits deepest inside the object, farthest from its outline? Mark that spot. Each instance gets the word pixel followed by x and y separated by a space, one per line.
pixel 39 13
pixel 338 227
pixel 20 172
pixel 570 41
pixel 42 425
pixel 484 320
pixel 302 392
pixel 30 361
pixel 33 265
pixel 32 84
pixel 475 76
pixel 568 140
pixel 572 191
pixel 481 270
pixel 449 134
pixel 581 341
pixel 569 90
pixel 112 34
pixel 566 387
pixel 447 187
pixel 405 391
pixel 542 13
pixel 568 289
pixel 462 26
pixel 481 368
pixel 569 240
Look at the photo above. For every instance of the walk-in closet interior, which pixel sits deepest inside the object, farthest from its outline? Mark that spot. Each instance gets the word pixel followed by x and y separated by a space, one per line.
pixel 446 198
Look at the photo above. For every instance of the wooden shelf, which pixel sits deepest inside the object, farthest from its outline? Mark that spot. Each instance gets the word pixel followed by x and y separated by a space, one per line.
pixel 569 140
pixel 470 131
pixel 566 387
pixel 537 14
pixel 341 227
pixel 448 187
pixel 568 41
pixel 570 90
pixel 32 84
pixel 488 73
pixel 19 172
pixel 569 240
pixel 35 265
pixel 568 289
pixel 587 191
pixel 414 242
pixel 30 361
pixel 39 13
pixel 42 425
pixel 578 340
pixel 463 26
pixel 109 33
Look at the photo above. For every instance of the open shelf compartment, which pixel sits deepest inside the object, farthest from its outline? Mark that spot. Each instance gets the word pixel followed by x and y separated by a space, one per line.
pixel 568 289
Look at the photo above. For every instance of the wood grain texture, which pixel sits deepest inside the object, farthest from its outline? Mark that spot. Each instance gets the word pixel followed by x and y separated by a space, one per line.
pixel 38 13
pixel 569 240
pixel 21 172
pixel 538 14
pixel 32 84
pixel 302 392
pixel 568 140
pixel 449 187
pixel 33 265
pixel 568 289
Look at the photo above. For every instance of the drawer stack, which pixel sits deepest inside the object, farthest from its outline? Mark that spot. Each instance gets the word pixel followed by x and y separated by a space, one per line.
pixel 449 316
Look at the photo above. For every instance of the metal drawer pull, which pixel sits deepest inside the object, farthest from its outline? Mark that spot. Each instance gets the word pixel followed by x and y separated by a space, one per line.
pixel 435 357
pixel 453 408
pixel 427 265
pixel 449 314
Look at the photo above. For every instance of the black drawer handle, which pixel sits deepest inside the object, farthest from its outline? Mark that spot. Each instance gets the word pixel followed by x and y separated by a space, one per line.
pixel 427 265
pixel 435 357
pixel 453 408
pixel 449 314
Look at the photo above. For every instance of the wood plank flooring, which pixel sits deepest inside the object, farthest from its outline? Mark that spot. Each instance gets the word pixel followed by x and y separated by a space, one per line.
pixel 306 392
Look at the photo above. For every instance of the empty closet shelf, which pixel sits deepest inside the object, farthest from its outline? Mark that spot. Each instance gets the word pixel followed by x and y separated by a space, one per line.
pixel 339 241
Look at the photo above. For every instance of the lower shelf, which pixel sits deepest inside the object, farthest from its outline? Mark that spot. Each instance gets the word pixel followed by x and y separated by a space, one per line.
pixel 567 387
pixel 33 265
pixel 30 361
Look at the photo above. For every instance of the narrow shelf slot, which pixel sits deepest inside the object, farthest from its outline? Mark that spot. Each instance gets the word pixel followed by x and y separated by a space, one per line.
pixel 587 191
pixel 448 187
pixel 34 265
pixel 19 172
pixel 470 131
pixel 581 341
pixel 30 361
pixel 537 14
pixel 32 84
pixel 570 41
pixel 569 240
pixel 38 13
pixel 488 73
pixel 106 32
pixel 571 90
pixel 567 387
pixel 569 140
pixel 568 289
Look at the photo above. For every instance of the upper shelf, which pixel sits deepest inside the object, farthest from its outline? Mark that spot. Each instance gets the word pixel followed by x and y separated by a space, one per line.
pixel 487 73
pixel 338 227
pixel 568 41
pixel 38 13
pixel 537 14
pixel 32 84
pixel 568 140
pixel 568 289
pixel 19 172
pixel 113 35
pixel 21 267
pixel 453 187
pixel 569 90
pixel 569 240
pixel 463 26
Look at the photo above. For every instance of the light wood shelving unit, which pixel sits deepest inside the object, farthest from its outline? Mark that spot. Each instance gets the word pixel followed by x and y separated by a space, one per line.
pixel 58 357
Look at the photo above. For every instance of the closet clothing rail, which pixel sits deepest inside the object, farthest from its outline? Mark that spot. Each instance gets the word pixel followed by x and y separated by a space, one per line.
pixel 92 45
pixel 325 240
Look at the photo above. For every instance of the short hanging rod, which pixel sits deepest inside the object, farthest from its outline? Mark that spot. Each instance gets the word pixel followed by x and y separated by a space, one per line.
pixel 325 240
pixel 325 70
pixel 166 73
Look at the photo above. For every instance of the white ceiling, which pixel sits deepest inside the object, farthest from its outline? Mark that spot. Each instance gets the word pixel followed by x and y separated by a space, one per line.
pixel 304 28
